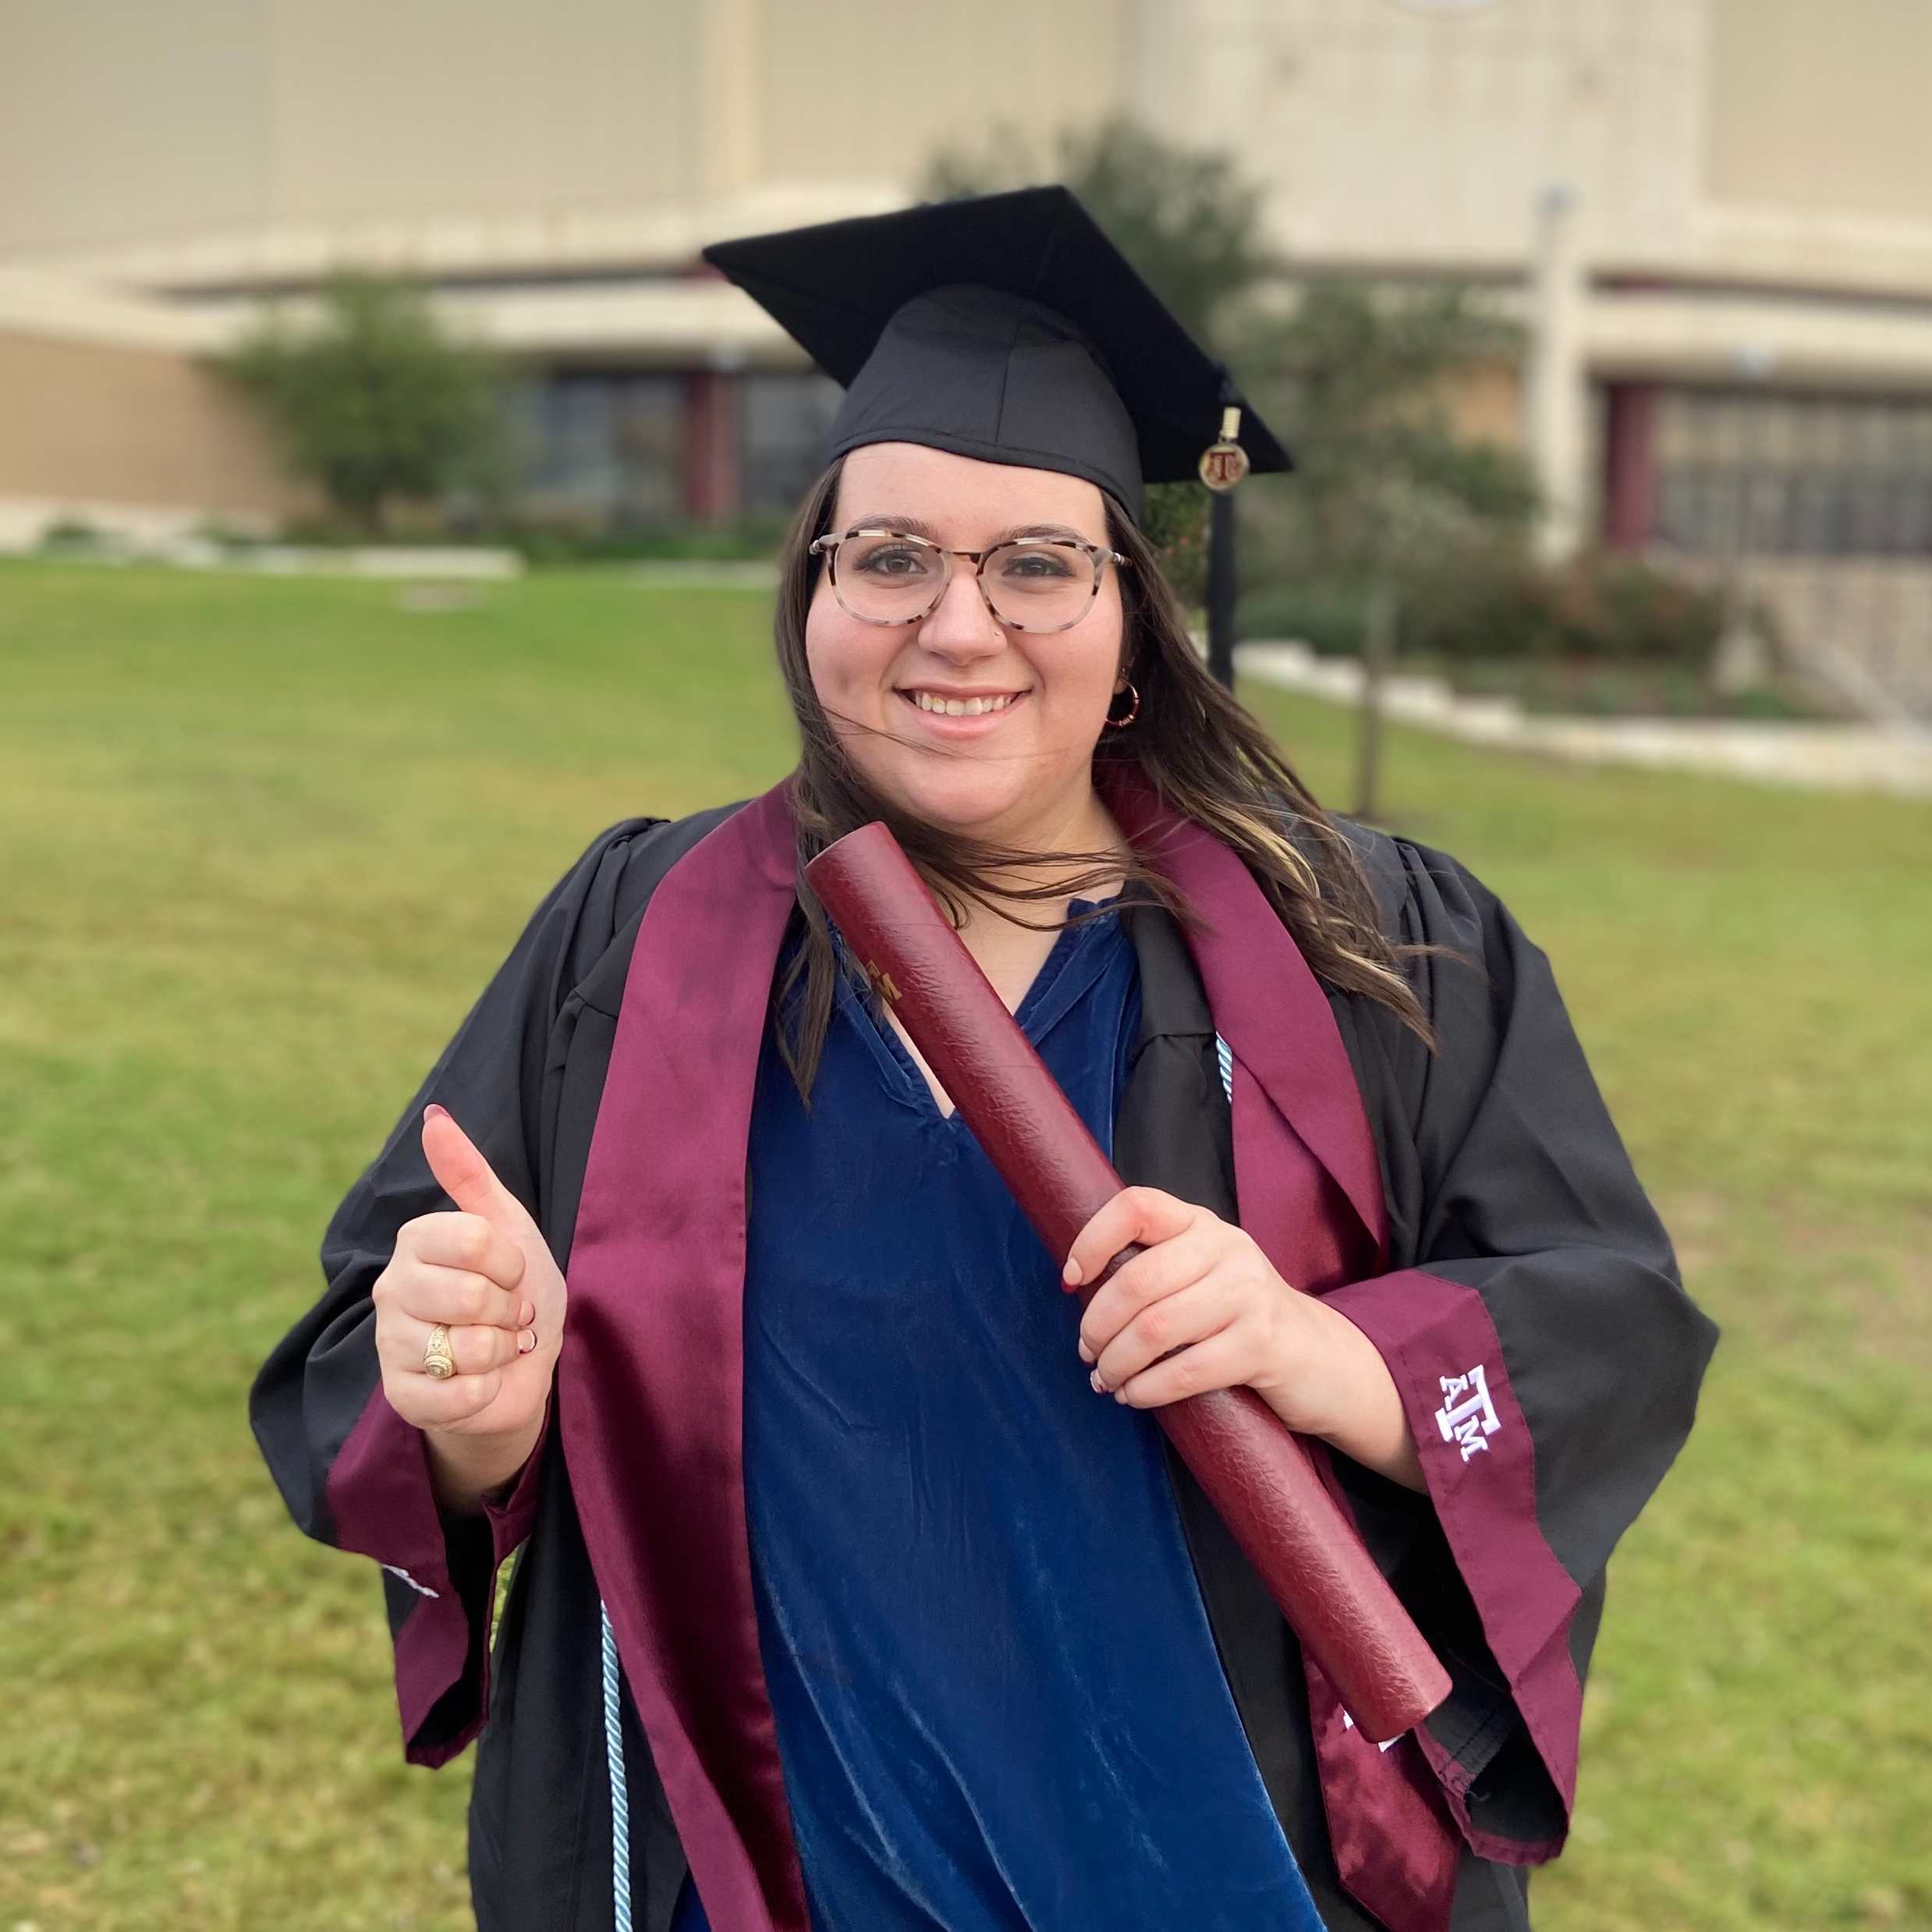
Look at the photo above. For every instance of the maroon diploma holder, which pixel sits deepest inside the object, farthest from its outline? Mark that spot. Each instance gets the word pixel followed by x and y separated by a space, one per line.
pixel 1257 1477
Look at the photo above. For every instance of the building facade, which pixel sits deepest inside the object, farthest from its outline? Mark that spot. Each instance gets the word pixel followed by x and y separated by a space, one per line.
pixel 1717 214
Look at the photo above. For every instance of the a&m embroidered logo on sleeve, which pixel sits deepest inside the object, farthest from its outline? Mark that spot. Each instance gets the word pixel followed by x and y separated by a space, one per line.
pixel 1467 1415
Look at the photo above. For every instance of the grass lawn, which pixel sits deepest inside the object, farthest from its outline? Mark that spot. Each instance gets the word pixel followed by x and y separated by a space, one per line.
pixel 261 842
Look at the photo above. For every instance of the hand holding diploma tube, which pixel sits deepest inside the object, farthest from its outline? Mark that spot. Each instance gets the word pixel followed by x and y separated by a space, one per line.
pixel 1250 1467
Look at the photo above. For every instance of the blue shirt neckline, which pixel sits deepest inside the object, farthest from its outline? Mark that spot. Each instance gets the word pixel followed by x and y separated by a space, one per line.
pixel 998 1700
pixel 1070 968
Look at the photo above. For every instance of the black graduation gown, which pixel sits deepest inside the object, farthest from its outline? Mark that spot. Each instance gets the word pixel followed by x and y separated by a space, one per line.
pixel 1502 1175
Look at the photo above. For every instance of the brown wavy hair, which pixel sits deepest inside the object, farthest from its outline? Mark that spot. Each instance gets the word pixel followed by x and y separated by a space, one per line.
pixel 1201 752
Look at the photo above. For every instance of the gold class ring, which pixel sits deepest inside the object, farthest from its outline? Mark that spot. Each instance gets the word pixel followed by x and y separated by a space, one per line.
pixel 438 1362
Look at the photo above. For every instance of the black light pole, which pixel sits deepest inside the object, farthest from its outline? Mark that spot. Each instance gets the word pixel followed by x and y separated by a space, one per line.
pixel 1220 586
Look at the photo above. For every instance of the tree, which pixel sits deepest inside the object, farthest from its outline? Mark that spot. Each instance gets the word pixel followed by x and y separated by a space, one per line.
pixel 1358 379
pixel 374 399
pixel 1354 378
pixel 1388 492
pixel 1185 218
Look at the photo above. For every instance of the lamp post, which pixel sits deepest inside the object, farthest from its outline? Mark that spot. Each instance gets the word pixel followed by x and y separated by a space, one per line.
pixel 1223 464
pixel 1220 587
pixel 1555 415
pixel 1741 660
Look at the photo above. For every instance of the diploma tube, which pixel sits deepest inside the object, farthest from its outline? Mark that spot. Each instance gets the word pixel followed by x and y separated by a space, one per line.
pixel 1250 1467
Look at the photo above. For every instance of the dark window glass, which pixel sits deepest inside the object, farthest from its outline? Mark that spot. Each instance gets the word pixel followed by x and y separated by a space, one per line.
pixel 783 419
pixel 1801 475
pixel 601 448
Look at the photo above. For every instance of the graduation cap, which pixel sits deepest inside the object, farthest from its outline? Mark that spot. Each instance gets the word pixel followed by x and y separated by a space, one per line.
pixel 1007 327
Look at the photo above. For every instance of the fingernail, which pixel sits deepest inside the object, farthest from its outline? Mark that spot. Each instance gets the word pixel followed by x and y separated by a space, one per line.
pixel 1120 1395
pixel 1086 1354
pixel 1100 1388
pixel 526 1315
pixel 432 1111
pixel 1071 1273
pixel 525 1341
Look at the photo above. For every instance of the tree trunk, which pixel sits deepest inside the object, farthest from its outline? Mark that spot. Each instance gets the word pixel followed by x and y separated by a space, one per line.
pixel 1378 649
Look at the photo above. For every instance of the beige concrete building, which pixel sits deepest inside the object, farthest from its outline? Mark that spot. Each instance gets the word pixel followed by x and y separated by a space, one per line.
pixel 1717 214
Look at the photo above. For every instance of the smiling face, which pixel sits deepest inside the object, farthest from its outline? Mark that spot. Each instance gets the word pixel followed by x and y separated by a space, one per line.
pixel 972 726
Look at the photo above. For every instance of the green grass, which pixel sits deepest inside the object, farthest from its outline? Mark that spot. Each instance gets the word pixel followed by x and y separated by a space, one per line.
pixel 1748 969
pixel 259 844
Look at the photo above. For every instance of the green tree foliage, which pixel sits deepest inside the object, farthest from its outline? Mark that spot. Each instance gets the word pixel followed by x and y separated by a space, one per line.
pixel 1186 219
pixel 374 399
pixel 1387 489
pixel 1389 494
pixel 1353 377
pixel 1596 608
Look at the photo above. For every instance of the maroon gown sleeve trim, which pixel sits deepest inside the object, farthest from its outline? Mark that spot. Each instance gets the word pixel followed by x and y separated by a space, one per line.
pixel 383 1506
pixel 1443 1350
pixel 511 1510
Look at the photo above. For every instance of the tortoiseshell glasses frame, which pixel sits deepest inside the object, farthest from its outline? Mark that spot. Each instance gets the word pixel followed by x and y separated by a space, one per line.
pixel 1036 583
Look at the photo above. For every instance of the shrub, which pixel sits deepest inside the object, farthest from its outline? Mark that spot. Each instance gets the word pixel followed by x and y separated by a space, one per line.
pixel 1598 607
pixel 1619 607
pixel 374 400
pixel 74 536
pixel 1330 620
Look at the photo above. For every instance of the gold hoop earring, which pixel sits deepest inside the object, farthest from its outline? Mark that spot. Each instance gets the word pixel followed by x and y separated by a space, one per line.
pixel 1133 710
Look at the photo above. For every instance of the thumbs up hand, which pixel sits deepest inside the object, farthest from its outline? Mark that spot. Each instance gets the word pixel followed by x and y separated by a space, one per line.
pixel 480 1287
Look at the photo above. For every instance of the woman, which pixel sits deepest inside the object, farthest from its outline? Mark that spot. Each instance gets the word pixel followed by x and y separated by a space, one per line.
pixel 848 1597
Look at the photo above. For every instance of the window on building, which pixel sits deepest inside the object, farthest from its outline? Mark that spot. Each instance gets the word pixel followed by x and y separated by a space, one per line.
pixel 783 420
pixel 601 448
pixel 1757 472
pixel 606 449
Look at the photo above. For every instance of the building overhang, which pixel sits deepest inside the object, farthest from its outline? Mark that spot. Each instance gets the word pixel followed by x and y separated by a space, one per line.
pixel 594 309
pixel 557 246
pixel 704 323
pixel 1795 340
pixel 69 308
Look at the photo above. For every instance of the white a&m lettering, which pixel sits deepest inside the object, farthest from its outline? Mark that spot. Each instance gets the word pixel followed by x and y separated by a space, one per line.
pixel 1467 1415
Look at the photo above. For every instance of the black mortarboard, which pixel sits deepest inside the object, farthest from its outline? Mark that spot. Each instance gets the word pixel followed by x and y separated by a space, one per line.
pixel 1006 326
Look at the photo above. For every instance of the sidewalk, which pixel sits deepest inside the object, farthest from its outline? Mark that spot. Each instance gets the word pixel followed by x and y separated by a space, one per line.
pixel 1895 758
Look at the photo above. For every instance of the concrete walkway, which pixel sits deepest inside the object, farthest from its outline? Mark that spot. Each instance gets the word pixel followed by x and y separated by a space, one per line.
pixel 1895 758
pixel 698 573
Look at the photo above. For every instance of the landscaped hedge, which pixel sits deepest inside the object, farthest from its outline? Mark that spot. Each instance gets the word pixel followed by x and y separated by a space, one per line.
pixel 1599 607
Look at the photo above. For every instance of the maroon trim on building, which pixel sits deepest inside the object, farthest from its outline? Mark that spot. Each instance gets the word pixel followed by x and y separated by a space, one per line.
pixel 1629 465
pixel 712 487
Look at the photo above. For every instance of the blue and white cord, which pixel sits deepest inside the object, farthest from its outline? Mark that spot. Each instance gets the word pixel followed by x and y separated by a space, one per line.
pixel 1224 1055
pixel 620 1789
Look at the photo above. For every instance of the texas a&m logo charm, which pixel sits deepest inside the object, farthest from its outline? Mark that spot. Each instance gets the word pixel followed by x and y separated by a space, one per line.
pixel 1224 463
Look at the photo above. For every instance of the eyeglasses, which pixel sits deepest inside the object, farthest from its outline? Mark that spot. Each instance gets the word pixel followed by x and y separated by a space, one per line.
pixel 1032 583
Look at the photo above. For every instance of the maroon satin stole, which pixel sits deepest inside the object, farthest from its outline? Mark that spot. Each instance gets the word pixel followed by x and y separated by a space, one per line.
pixel 650 1392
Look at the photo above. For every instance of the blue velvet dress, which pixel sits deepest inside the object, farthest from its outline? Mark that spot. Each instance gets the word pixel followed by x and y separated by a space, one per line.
pixel 997 1698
